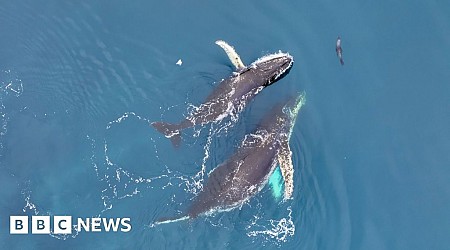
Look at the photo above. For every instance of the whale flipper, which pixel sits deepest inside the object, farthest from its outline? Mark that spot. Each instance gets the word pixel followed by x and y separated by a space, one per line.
pixel 171 131
pixel 231 53
pixel 286 167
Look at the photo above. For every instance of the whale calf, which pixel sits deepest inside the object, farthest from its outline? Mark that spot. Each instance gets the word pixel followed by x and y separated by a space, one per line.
pixel 232 94
pixel 247 171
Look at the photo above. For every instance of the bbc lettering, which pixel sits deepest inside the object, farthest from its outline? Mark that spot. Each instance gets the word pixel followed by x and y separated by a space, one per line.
pixel 63 224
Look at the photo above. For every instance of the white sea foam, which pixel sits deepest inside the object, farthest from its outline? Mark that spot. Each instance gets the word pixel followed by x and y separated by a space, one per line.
pixel 279 230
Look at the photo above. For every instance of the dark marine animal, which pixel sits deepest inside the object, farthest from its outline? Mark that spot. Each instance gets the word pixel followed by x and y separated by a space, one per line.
pixel 339 50
pixel 233 93
pixel 247 171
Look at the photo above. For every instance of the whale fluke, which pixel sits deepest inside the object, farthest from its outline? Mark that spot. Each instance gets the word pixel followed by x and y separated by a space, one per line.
pixel 170 131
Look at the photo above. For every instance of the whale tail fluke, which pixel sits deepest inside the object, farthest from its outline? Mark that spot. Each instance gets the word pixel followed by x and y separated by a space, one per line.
pixel 170 131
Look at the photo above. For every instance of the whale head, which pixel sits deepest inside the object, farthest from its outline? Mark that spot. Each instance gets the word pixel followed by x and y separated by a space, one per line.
pixel 273 67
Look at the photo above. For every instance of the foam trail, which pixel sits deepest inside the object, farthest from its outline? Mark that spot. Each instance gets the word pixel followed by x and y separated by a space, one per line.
pixel 169 221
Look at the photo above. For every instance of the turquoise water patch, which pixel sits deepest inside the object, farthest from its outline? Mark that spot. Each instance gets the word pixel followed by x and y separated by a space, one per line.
pixel 276 183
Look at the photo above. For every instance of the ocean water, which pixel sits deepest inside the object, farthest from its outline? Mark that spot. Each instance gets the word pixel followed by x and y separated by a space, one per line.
pixel 82 80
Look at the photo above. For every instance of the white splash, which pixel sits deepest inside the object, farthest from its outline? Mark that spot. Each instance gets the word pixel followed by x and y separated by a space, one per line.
pixel 279 230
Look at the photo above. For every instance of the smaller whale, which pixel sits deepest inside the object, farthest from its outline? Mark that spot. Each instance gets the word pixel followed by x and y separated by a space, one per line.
pixel 232 94
pixel 339 50
pixel 247 171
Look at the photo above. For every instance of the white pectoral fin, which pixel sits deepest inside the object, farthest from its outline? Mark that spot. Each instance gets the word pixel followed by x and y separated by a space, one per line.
pixel 287 169
pixel 231 53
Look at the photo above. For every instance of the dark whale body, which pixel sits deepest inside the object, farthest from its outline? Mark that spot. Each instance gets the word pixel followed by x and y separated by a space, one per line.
pixel 232 94
pixel 247 171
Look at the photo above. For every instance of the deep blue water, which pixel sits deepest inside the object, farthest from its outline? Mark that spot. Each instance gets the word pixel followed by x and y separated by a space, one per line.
pixel 80 83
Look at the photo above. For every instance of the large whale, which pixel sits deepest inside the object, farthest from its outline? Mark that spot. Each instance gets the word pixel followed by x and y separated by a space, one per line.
pixel 232 94
pixel 247 171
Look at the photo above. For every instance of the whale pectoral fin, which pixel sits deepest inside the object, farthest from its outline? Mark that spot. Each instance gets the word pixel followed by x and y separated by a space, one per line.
pixel 231 53
pixel 287 168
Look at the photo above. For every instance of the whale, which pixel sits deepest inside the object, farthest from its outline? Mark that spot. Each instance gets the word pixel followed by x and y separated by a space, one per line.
pixel 233 93
pixel 247 170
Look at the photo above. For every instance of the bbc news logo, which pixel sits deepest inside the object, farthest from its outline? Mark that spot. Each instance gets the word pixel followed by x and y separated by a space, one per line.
pixel 63 225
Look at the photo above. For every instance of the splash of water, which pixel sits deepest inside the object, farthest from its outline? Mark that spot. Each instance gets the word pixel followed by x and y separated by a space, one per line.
pixel 279 230
pixel 10 86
